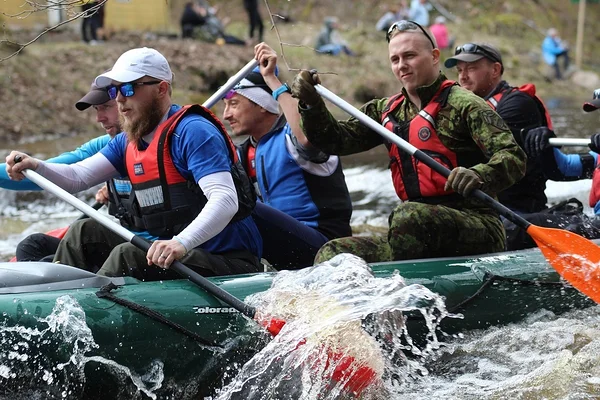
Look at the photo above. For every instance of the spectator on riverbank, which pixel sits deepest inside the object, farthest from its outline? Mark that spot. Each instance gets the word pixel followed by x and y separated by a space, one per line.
pixel 419 12
pixel 329 40
pixel 199 21
pixel 439 30
pixel 392 15
pixel 553 49
pixel 254 19
pixel 91 22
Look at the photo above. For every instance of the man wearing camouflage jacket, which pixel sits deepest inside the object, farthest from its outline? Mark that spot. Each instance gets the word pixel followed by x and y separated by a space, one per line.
pixel 449 123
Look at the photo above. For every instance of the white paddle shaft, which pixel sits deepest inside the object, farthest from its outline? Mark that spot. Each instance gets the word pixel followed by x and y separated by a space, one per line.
pixel 569 142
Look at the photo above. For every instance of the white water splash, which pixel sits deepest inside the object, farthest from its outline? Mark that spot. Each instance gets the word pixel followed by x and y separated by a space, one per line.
pixel 336 313
pixel 62 335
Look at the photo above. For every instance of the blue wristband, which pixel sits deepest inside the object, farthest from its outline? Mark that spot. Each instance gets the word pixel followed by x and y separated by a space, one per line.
pixel 281 89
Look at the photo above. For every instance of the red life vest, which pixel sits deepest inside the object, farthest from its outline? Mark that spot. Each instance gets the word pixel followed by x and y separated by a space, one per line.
pixel 165 201
pixel 250 162
pixel 413 180
pixel 595 191
pixel 528 89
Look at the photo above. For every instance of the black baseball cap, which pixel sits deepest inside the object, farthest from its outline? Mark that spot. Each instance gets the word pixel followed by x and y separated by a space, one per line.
pixel 470 52
pixel 94 97
pixel 594 104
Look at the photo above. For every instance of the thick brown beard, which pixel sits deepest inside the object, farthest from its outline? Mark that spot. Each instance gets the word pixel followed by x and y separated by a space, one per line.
pixel 147 121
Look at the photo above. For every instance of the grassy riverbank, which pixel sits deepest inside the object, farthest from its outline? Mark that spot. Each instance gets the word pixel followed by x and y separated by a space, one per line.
pixel 40 86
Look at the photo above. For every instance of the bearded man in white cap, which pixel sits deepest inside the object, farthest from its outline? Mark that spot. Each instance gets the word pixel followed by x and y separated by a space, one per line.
pixel 305 200
pixel 190 195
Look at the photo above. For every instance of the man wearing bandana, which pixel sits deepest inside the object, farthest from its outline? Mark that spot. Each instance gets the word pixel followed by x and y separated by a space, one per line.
pixel 304 198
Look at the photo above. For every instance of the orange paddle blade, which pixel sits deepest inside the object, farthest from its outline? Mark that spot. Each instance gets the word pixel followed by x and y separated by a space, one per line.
pixel 575 258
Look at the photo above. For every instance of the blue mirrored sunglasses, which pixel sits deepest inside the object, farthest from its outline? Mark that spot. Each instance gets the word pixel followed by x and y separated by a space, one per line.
pixel 126 89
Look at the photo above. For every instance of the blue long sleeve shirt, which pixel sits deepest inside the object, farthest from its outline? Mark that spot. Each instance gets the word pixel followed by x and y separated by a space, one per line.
pixel 84 151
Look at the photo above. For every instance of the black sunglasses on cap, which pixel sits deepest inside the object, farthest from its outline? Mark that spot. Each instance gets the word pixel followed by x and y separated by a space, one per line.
pixel 472 48
pixel 403 26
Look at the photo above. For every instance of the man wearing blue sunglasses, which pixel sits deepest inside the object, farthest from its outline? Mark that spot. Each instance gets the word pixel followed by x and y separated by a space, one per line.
pixel 190 195
pixel 38 245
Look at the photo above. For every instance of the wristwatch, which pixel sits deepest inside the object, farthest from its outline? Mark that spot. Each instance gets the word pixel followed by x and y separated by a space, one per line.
pixel 281 89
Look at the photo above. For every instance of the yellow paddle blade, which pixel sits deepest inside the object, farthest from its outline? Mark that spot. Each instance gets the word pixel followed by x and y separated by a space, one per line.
pixel 575 258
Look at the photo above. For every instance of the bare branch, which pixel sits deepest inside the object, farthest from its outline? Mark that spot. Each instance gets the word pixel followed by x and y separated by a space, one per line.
pixel 50 5
pixel 282 44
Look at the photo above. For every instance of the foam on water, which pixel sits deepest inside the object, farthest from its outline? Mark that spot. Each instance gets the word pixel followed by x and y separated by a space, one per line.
pixel 544 357
pixel 28 357
pixel 335 311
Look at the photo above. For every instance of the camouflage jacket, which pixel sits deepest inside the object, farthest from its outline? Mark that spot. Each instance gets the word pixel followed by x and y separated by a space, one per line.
pixel 464 124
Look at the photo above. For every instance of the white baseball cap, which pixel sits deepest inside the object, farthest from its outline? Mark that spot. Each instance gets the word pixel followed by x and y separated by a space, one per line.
pixel 134 64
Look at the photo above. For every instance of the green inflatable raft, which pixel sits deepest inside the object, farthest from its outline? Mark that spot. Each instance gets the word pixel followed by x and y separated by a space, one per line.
pixel 193 340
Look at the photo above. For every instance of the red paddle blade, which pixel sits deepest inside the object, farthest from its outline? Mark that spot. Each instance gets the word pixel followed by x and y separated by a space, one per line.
pixel 357 377
pixel 58 233
pixel 575 258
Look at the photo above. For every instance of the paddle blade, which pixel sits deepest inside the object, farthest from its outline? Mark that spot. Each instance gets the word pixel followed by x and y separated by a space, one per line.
pixel 357 376
pixel 58 233
pixel 575 258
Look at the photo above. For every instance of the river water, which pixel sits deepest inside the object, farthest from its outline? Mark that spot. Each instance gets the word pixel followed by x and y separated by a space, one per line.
pixel 544 357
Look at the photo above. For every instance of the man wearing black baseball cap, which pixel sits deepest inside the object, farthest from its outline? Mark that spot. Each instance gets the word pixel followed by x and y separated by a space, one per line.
pixel 480 70
pixel 38 245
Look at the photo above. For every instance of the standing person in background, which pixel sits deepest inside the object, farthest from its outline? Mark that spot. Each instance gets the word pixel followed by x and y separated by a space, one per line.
pixel 419 13
pixel 254 19
pixel 552 50
pixel 91 21
pixel 439 30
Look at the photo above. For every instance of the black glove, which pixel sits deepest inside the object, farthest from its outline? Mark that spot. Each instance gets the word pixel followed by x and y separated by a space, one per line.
pixel 463 181
pixel 303 87
pixel 595 143
pixel 537 140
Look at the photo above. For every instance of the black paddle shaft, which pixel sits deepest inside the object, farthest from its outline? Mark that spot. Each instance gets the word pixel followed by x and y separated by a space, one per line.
pixel 477 193
pixel 416 153
pixel 139 242
pixel 201 281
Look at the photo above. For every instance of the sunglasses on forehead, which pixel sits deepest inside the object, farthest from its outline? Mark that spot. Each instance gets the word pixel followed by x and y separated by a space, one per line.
pixel 233 91
pixel 126 89
pixel 403 26
pixel 472 48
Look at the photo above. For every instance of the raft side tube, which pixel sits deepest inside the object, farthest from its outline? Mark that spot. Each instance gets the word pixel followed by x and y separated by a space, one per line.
pixel 29 277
